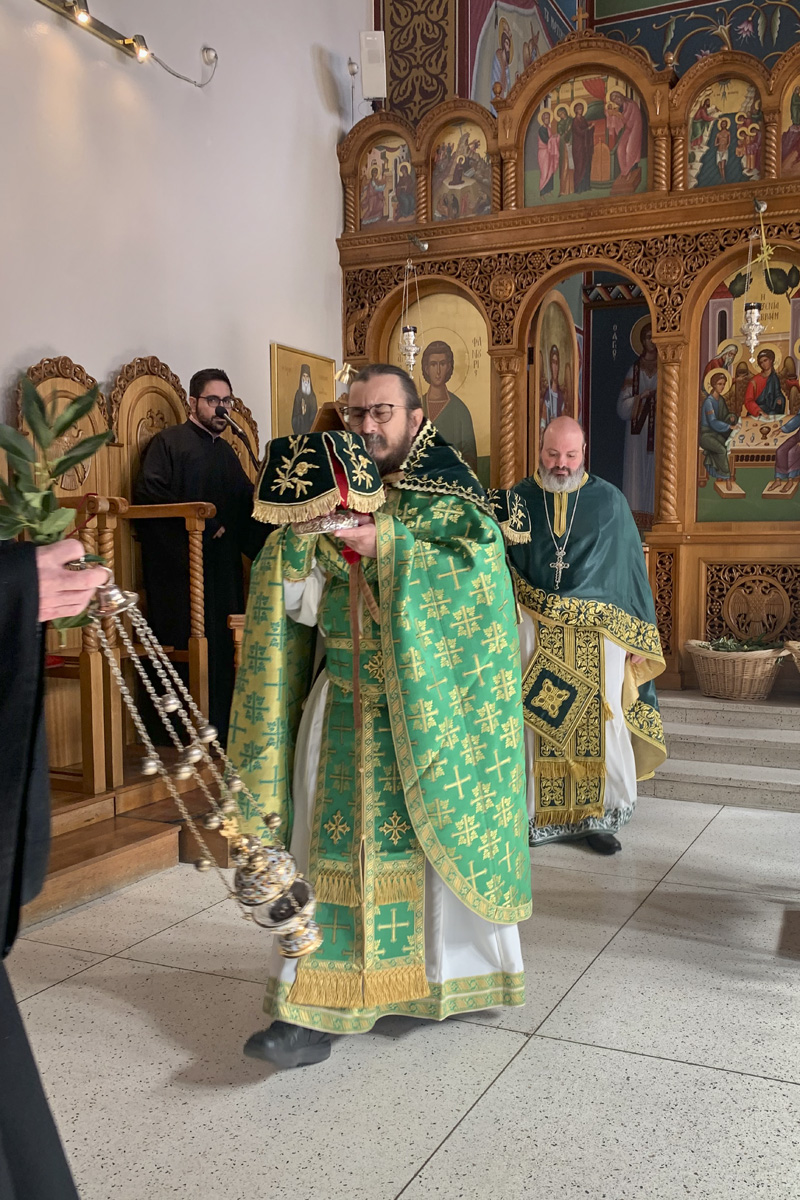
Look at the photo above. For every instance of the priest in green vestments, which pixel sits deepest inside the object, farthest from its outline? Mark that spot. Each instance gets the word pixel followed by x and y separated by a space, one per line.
pixel 590 649
pixel 398 768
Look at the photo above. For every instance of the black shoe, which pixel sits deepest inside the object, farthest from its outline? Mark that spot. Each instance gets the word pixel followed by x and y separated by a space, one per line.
pixel 603 843
pixel 286 1045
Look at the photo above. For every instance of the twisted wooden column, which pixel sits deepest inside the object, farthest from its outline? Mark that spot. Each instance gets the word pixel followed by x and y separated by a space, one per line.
pixel 350 205
pixel 508 367
pixel 423 198
pixel 198 646
pixel 105 548
pixel 510 181
pixel 771 146
pixel 497 183
pixel 661 160
pixel 90 642
pixel 197 610
pixel 679 160
pixel 669 362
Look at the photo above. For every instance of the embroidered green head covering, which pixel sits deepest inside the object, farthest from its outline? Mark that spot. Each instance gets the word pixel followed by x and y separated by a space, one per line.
pixel 511 514
pixel 310 475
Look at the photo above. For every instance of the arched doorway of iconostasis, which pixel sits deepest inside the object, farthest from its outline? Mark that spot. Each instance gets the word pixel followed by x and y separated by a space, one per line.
pixel 591 356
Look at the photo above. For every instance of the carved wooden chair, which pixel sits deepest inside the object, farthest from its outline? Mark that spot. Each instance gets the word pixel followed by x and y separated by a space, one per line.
pixel 146 398
pixel 75 710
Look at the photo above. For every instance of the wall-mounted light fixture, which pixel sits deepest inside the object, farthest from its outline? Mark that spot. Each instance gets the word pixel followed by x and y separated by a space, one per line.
pixel 80 11
pixel 140 46
pixel 134 46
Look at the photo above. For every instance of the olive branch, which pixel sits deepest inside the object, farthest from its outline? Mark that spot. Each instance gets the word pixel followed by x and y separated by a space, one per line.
pixel 31 505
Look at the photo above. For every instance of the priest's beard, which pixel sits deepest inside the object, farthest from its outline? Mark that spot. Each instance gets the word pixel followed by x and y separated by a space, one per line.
pixel 567 482
pixel 214 424
pixel 389 458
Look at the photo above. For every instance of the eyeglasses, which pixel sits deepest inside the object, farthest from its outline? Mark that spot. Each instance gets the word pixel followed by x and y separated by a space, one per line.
pixel 225 401
pixel 379 412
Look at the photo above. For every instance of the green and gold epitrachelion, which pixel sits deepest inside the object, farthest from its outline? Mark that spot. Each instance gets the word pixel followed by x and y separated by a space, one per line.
pixel 429 765
pixel 604 593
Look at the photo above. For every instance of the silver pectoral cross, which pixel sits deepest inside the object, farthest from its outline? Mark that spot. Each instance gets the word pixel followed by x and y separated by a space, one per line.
pixel 559 566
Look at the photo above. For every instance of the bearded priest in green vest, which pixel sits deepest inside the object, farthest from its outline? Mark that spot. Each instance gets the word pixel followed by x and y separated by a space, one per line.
pixel 397 766
pixel 590 650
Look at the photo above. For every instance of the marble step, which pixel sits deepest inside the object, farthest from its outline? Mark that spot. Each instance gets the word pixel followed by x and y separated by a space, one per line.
pixel 739 785
pixel 692 708
pixel 757 746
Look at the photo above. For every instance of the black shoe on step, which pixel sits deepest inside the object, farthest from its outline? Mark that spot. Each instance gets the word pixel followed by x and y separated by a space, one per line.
pixel 286 1045
pixel 603 843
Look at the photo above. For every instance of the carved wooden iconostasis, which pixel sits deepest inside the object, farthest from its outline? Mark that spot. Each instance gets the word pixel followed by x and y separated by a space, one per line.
pixel 587 253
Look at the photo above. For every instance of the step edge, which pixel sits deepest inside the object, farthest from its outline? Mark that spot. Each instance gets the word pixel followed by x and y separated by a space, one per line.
pixel 154 834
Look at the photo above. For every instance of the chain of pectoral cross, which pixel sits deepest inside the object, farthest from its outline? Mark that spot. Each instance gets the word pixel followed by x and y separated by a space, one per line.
pixel 559 566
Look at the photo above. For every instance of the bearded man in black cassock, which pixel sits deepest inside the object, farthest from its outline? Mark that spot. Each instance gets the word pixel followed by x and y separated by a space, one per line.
pixel 34 587
pixel 194 462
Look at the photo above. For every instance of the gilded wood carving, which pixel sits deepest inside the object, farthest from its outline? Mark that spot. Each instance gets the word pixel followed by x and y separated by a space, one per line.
pixel 690 228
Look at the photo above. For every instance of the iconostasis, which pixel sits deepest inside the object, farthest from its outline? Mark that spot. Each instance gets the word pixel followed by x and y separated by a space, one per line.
pixel 581 245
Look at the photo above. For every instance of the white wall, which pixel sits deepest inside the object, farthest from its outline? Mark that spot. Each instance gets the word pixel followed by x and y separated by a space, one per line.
pixel 140 215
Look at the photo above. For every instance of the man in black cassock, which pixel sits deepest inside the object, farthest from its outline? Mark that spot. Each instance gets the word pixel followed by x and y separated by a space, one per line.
pixel 193 462
pixel 34 587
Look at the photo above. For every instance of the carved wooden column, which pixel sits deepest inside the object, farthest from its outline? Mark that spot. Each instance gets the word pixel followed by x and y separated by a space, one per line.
pixel 510 180
pixel 772 121
pixel 661 160
pixel 198 645
pixel 423 198
pixel 497 182
pixel 508 367
pixel 350 204
pixel 107 509
pixel 90 674
pixel 679 160
pixel 669 363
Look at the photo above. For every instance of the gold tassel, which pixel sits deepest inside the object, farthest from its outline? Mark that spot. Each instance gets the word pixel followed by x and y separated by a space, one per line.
pixel 589 768
pixel 322 987
pixel 608 711
pixel 337 887
pixel 567 816
pixel 365 504
pixel 552 768
pixel 552 816
pixel 515 537
pixel 394 888
pixel 394 985
pixel 288 514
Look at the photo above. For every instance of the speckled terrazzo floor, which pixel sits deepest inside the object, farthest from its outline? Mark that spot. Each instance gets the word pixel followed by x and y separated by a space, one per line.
pixel 657 1057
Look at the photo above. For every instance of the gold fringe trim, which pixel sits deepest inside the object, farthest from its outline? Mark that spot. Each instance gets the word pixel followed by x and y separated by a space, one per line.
pixel 567 816
pixel 366 504
pixel 515 537
pixel 393 889
pixel 288 514
pixel 559 768
pixel 395 984
pixel 337 887
pixel 589 768
pixel 321 987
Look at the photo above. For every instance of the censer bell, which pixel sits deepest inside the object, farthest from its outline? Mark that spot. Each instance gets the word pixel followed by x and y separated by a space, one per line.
pixel 111 601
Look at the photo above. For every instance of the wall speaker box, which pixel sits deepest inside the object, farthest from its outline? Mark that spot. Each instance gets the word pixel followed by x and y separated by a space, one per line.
pixel 373 65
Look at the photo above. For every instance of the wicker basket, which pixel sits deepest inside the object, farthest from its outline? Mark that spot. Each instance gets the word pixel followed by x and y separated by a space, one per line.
pixel 745 675
pixel 794 650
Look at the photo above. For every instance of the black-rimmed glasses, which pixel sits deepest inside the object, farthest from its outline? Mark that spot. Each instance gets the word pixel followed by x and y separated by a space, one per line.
pixel 379 412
